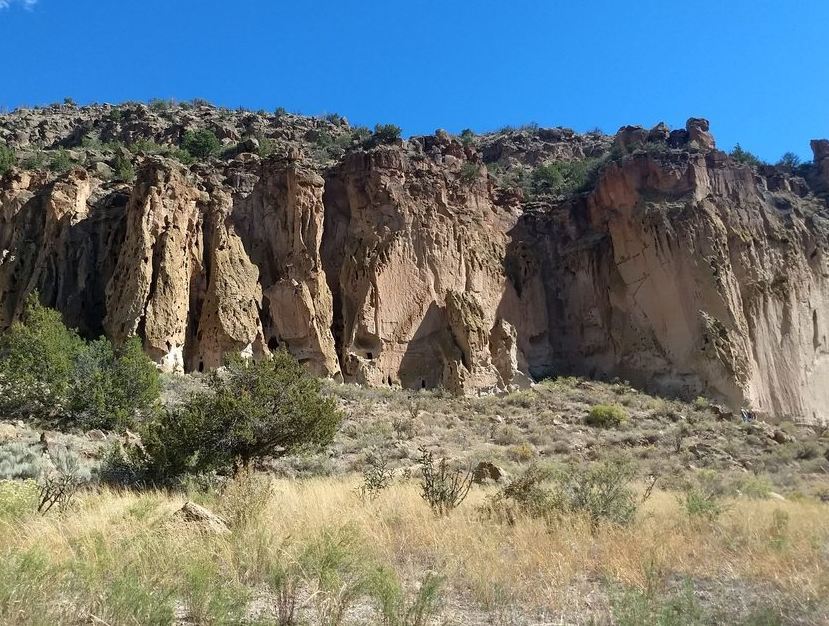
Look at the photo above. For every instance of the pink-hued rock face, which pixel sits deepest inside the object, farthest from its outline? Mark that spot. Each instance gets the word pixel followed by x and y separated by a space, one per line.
pixel 435 262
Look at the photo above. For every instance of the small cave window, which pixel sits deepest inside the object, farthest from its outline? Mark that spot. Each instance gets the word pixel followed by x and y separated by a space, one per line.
pixel 422 384
pixel 389 381
pixel 369 355
pixel 273 343
pixel 201 366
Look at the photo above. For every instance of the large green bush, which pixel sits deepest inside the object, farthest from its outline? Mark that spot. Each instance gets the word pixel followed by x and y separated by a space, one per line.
pixel 47 370
pixel 111 384
pixel 251 410
pixel 202 144
pixel 37 363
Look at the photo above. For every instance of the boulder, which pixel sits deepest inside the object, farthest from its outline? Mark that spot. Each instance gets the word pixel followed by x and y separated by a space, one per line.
pixel 820 149
pixel 205 519
pixel 630 136
pixel 96 435
pixel 659 133
pixel 698 132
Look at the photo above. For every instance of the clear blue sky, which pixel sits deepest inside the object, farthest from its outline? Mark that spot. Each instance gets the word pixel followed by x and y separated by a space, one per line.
pixel 758 69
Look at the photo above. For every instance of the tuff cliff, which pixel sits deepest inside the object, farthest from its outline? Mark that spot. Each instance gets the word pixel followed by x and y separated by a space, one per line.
pixel 472 262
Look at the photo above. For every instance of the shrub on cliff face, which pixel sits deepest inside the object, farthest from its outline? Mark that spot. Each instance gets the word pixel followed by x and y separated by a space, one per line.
pixel 7 158
pixel 61 161
pixel 46 369
pixel 386 133
pixel 744 156
pixel 251 410
pixel 124 169
pixel 202 144
pixel 564 177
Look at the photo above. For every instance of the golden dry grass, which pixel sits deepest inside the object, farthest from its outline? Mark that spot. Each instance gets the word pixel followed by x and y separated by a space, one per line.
pixel 531 567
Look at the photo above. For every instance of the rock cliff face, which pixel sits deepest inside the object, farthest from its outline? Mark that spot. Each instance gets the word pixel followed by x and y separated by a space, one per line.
pixel 473 265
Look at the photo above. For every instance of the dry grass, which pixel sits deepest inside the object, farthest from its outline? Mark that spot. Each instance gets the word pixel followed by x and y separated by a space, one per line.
pixel 525 573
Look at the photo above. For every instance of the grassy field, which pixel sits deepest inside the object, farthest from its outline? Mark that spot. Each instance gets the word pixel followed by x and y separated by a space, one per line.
pixel 735 530
pixel 125 558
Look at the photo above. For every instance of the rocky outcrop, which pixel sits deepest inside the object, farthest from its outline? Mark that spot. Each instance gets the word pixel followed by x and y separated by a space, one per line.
pixel 682 272
pixel 414 256
pixel 281 223
pixel 433 262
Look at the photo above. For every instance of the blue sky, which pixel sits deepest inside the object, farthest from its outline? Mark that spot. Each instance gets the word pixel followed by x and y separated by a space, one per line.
pixel 758 69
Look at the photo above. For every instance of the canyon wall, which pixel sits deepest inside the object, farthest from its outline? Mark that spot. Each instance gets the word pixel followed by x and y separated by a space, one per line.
pixel 434 262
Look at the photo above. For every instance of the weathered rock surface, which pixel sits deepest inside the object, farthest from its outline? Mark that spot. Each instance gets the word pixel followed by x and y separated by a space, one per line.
pixel 432 262
pixel 204 519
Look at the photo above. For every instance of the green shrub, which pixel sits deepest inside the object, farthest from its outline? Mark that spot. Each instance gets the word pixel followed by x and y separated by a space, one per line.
pixel 564 177
pixel 270 408
pixel 744 156
pixel 789 160
pixel 396 609
pixel 634 607
pixel 334 563
pixel 470 172
pixel 386 133
pixel 46 369
pixel 361 134
pixel 266 147
pixel 467 137
pixel 61 480
pixel 150 147
pixel 606 415
pixel 201 144
pixel 112 385
pixel 158 104
pixel 602 492
pixel 37 363
pixel 36 161
pixel 377 476
pixel 701 403
pixel 7 158
pixel 701 503
pixel 525 495
pixel 124 169
pixel 753 486
pixel 60 161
